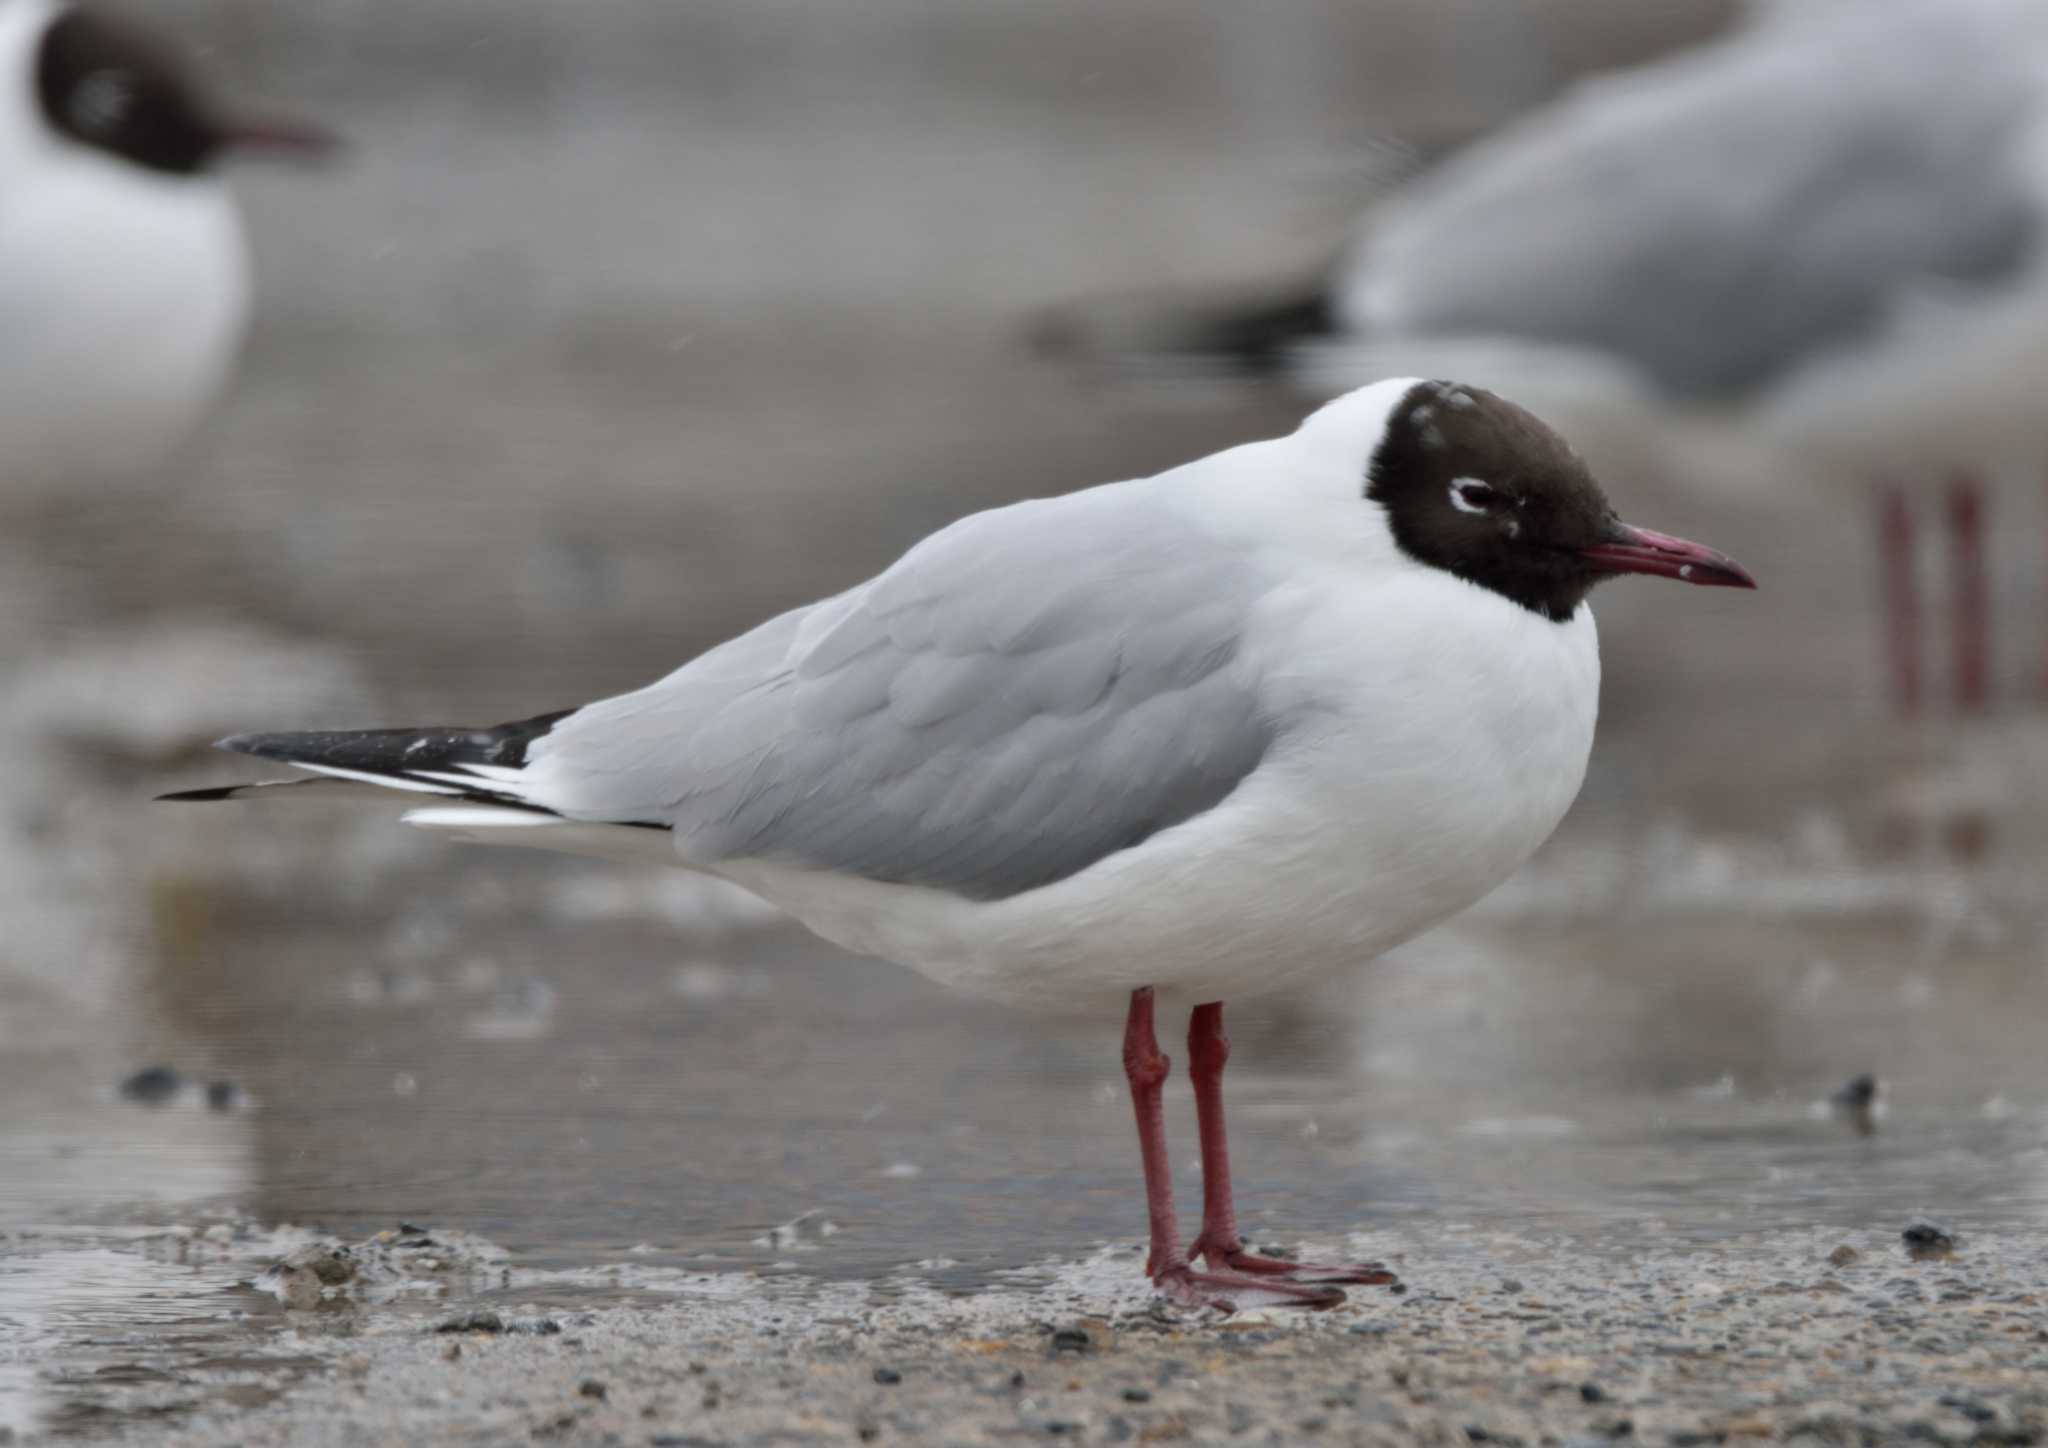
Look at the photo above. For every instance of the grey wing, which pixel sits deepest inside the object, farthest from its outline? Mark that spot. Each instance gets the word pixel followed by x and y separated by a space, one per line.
pixel 1715 216
pixel 1023 694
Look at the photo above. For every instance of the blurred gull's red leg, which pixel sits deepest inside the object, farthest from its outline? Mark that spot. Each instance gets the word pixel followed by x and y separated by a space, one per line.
pixel 1219 1243
pixel 1972 605
pixel 1901 589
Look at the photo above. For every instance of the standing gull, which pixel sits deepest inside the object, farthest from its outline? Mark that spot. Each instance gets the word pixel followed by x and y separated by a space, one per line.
pixel 1194 736
pixel 124 279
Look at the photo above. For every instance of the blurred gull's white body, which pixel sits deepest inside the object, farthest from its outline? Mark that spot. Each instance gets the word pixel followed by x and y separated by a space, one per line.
pixel 124 292
pixel 1814 183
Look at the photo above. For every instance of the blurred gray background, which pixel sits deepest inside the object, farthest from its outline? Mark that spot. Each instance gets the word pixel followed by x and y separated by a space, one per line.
pixel 624 325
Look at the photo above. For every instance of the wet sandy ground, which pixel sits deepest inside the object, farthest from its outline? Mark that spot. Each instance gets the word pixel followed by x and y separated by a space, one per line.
pixel 539 431
pixel 1508 1335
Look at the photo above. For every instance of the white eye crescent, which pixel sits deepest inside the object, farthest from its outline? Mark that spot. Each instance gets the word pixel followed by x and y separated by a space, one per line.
pixel 1469 495
pixel 102 100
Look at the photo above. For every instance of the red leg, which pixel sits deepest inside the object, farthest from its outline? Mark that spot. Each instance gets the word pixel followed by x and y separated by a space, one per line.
pixel 1167 1265
pixel 1972 605
pixel 1219 1243
pixel 1146 1069
pixel 1901 597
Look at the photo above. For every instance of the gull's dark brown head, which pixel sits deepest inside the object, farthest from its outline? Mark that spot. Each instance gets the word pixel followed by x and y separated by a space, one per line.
pixel 106 84
pixel 1483 489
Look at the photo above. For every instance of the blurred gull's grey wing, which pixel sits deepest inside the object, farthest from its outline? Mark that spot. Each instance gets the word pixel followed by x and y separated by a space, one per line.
pixel 1023 694
pixel 1719 215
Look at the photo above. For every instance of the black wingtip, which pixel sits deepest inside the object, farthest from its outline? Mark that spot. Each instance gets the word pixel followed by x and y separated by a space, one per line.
pixel 1258 339
pixel 200 796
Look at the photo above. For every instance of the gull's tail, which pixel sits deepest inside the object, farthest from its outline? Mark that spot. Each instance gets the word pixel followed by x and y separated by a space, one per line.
pixel 480 775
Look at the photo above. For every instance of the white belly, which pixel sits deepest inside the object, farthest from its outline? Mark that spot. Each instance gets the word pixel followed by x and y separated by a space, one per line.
pixel 1430 759
pixel 122 305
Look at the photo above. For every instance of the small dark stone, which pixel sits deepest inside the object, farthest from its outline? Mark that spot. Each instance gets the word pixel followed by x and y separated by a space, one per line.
pixel 333 1268
pixel 1687 1438
pixel 536 1326
pixel 1927 1240
pixel 1399 1289
pixel 1137 1395
pixel 1071 1339
pixel 1017 1379
pixel 1060 1427
pixel 1592 1393
pixel 152 1085
pixel 223 1095
pixel 869 1432
pixel 592 1388
pixel 1970 1408
pixel 484 1321
pixel 1860 1091
pixel 887 1377
pixel 1510 1285
pixel 1843 1255
pixel 407 1229
pixel 1476 1434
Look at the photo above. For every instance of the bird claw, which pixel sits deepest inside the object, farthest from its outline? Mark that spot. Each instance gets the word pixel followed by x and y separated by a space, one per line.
pixel 1238 1260
pixel 1229 1291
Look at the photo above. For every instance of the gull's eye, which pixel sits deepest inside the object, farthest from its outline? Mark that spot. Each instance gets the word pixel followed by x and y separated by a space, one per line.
pixel 1469 495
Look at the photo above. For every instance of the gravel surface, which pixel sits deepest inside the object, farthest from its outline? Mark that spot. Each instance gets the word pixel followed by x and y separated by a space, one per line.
pixel 1824 1337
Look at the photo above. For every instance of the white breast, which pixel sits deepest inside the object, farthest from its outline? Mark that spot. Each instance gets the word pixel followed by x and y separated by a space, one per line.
pixel 123 298
pixel 1443 732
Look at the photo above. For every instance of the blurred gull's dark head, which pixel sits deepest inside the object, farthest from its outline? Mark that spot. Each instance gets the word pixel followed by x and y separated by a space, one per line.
pixel 98 82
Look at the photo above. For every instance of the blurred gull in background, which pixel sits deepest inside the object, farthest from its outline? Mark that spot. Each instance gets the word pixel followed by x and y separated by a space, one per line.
pixel 124 280
pixel 1825 227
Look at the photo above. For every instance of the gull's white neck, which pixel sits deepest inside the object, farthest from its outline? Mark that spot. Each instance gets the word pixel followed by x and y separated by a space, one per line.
pixel 1302 494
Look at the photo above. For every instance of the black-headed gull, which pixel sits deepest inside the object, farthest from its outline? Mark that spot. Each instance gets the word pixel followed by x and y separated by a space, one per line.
pixel 1194 736
pixel 124 280
pixel 1825 227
